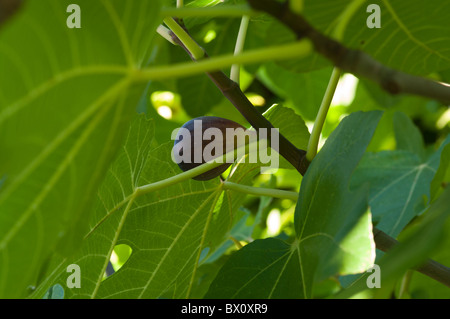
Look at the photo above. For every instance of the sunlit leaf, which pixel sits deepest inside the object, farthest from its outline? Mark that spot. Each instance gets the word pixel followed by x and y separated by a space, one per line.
pixel 66 99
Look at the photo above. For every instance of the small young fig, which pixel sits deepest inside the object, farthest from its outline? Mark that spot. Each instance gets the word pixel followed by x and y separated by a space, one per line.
pixel 203 139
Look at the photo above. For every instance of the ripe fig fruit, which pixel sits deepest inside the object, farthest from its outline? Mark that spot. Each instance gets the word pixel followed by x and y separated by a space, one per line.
pixel 203 139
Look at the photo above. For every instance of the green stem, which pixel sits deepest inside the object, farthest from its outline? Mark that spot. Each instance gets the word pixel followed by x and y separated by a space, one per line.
pixel 203 168
pixel 176 179
pixel 296 6
pixel 298 49
pixel 235 68
pixel 196 51
pixel 165 33
pixel 236 242
pixel 321 115
pixel 114 242
pixel 210 12
pixel 258 191
pixel 404 285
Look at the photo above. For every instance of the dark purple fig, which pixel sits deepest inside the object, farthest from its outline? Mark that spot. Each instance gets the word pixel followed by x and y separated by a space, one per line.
pixel 203 139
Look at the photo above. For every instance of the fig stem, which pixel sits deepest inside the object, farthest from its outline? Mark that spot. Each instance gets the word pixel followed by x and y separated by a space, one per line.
pixel 259 191
pixel 210 12
pixel 203 168
pixel 194 49
pixel 240 41
pixel 296 6
pixel 291 50
pixel 165 33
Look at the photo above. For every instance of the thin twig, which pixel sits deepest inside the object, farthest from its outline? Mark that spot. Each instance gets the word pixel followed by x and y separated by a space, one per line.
pixel 235 68
pixel 8 8
pixel 430 268
pixel 313 143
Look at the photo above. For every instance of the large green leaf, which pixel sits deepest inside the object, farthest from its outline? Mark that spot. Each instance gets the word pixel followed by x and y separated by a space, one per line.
pixel 399 186
pixel 164 228
pixel 167 229
pixel 336 217
pixel 333 235
pixel 266 268
pixel 66 98
pixel 109 215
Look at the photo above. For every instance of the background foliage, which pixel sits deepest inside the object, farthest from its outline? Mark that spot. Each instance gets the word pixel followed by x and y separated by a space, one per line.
pixel 80 131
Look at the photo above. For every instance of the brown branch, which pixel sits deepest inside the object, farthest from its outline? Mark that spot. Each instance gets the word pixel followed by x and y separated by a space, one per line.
pixel 233 93
pixel 354 61
pixel 430 268
pixel 8 8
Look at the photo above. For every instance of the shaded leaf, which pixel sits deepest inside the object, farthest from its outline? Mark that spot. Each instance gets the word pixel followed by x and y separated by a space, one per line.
pixel 335 218
pixel 259 271
pixel 413 250
pixel 332 236
pixel 109 214
pixel 422 286
pixel 399 186
pixel 198 94
pixel 66 99
pixel 442 176
pixel 166 229
pixel 407 135
pixel 290 124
